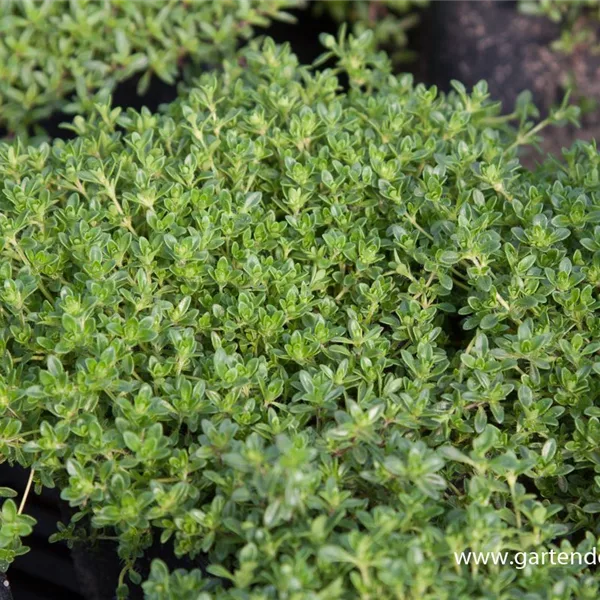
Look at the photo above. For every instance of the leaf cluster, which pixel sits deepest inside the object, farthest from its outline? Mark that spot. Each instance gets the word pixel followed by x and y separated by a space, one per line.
pixel 55 54
pixel 389 20
pixel 13 527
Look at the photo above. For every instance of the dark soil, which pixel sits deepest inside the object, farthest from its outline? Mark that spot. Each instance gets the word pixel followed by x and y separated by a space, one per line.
pixel 98 567
pixel 512 52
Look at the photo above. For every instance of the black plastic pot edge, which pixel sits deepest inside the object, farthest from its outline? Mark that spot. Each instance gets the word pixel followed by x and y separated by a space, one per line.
pixel 98 567
pixel 5 591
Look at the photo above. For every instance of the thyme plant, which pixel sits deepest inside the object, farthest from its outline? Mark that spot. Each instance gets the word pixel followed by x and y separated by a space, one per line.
pixel 54 54
pixel 317 338
pixel 389 20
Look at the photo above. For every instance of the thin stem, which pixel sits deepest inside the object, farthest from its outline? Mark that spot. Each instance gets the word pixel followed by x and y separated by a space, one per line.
pixel 417 226
pixel 461 368
pixel 461 285
pixel 27 489
pixel 503 302
pixel 511 484
pixel 110 189
pixel 459 274
pixel 505 305
pixel 429 282
pixel 454 489
pixel 341 294
pixel 520 141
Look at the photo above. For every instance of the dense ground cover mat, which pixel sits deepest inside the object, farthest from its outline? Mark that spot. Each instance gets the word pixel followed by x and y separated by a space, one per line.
pixel 55 54
pixel 320 337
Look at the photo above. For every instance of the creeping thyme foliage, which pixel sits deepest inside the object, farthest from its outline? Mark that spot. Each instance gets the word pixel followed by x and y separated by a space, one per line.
pixel 51 50
pixel 319 339
pixel 13 527
pixel 389 20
